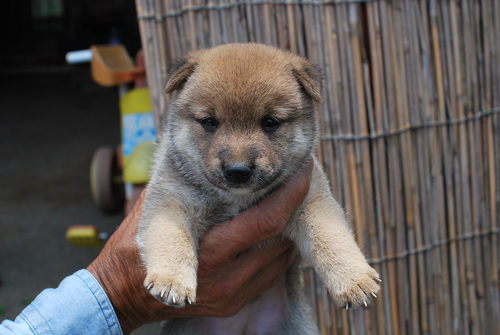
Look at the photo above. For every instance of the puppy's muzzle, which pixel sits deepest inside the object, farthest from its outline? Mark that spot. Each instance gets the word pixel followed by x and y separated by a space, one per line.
pixel 238 174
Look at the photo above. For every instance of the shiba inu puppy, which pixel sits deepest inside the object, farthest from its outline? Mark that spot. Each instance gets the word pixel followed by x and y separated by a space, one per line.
pixel 242 122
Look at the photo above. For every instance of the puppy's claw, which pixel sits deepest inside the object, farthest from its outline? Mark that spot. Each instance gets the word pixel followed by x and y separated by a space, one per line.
pixel 170 291
pixel 377 279
pixel 364 302
pixel 373 294
pixel 346 306
pixel 189 301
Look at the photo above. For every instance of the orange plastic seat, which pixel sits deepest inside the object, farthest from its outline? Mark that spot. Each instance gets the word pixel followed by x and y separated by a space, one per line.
pixel 111 65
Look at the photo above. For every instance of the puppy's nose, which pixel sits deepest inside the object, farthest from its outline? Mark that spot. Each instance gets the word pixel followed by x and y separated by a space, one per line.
pixel 238 174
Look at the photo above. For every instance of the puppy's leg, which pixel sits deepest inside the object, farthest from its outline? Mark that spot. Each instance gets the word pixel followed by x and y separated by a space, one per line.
pixel 299 317
pixel 169 253
pixel 322 234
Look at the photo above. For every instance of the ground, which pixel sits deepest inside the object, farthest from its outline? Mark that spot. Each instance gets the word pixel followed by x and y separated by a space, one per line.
pixel 50 125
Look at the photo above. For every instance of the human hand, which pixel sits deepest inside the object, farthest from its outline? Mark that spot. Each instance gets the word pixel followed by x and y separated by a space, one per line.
pixel 230 272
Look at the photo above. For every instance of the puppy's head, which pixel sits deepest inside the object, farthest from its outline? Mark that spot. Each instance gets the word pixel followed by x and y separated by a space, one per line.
pixel 242 119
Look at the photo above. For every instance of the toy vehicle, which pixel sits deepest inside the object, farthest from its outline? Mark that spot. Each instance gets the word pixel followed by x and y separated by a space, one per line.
pixel 118 175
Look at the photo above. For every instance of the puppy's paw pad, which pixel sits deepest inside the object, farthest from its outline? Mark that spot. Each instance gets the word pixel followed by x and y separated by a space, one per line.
pixel 170 291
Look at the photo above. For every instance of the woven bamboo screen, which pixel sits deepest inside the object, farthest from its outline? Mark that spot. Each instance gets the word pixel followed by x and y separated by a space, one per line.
pixel 410 140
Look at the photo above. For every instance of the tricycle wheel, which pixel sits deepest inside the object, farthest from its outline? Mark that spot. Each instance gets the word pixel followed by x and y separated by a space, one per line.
pixel 105 184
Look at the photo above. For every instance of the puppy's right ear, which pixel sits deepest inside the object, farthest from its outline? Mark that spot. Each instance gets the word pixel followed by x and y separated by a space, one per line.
pixel 310 78
pixel 179 73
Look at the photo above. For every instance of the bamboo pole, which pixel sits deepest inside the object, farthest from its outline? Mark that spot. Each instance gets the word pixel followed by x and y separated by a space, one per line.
pixel 441 265
pixel 375 239
pixel 473 158
pixel 419 161
pixel 491 186
pixel 420 323
pixel 493 174
pixel 407 297
pixel 331 100
pixel 291 27
pixel 279 25
pixel 395 230
pixel 389 323
pixel 443 138
pixel 360 127
pixel 347 149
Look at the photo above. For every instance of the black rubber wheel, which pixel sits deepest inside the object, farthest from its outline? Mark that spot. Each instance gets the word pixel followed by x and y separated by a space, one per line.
pixel 107 190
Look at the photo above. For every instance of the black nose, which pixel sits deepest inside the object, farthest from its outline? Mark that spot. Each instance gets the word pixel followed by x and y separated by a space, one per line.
pixel 238 174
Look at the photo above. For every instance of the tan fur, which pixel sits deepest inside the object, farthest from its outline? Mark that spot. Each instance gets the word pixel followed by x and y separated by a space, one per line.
pixel 331 245
pixel 241 89
pixel 174 260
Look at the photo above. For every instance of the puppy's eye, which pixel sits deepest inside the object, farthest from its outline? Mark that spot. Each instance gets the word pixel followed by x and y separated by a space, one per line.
pixel 270 124
pixel 209 123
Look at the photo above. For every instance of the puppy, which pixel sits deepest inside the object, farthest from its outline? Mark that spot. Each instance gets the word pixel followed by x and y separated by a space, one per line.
pixel 242 122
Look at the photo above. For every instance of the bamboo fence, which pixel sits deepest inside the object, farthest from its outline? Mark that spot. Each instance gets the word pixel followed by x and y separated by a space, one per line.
pixel 410 138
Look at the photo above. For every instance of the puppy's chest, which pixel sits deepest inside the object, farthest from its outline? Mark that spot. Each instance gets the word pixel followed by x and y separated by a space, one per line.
pixel 214 215
pixel 215 210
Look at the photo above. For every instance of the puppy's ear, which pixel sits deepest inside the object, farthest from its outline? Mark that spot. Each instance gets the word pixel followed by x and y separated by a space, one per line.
pixel 179 73
pixel 310 78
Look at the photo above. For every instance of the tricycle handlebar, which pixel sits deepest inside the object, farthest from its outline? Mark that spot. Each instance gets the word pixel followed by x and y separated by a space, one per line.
pixel 80 56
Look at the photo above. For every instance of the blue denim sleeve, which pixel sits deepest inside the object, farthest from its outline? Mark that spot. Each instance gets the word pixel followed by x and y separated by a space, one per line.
pixel 78 306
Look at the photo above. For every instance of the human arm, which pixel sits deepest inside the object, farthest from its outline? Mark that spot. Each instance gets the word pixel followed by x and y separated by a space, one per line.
pixel 78 306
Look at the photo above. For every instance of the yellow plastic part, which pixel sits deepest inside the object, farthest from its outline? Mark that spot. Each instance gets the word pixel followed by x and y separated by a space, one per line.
pixel 137 164
pixel 137 167
pixel 83 236
pixel 111 65
pixel 136 101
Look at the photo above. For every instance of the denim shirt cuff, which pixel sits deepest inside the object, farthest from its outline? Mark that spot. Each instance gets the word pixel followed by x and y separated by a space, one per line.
pixel 78 306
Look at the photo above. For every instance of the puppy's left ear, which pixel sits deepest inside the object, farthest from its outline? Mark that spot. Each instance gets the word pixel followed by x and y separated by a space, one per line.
pixel 310 78
pixel 179 73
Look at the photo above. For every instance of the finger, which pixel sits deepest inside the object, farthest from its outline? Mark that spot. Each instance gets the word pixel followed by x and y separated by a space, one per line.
pixel 260 222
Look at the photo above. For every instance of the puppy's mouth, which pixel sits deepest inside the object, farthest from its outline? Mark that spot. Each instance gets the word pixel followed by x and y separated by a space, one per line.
pixel 256 182
pixel 220 181
pixel 240 190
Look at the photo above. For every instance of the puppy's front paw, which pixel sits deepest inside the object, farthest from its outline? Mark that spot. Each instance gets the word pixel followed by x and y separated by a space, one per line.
pixel 170 290
pixel 354 287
